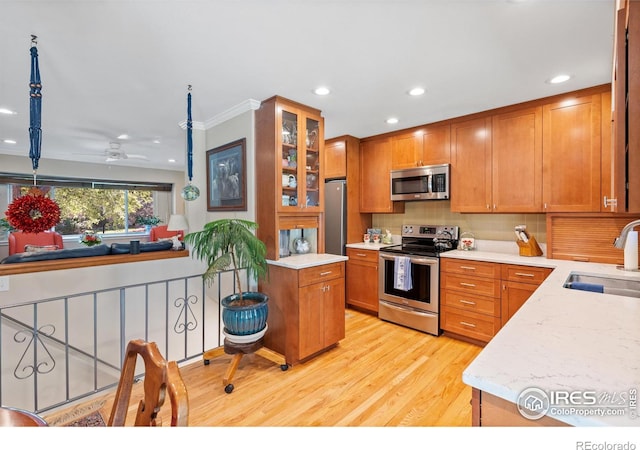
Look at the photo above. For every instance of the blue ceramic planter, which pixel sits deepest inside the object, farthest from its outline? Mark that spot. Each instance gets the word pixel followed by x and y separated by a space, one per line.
pixel 244 320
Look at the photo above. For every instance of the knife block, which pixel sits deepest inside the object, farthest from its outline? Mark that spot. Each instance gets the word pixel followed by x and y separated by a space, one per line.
pixel 530 248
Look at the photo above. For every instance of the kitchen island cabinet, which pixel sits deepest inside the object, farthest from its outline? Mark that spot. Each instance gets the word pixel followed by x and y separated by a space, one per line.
pixel 306 305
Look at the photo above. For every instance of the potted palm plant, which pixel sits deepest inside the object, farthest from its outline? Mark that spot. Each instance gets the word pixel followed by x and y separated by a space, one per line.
pixel 232 244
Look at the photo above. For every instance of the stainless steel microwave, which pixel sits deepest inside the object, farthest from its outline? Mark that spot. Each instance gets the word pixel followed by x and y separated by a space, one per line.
pixel 421 183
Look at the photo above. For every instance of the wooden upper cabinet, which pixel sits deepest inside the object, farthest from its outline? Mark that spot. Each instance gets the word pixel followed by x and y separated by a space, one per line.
pixel 517 161
pixel 335 158
pixel 436 145
pixel 406 150
pixel 375 181
pixel 422 147
pixel 471 166
pixel 571 159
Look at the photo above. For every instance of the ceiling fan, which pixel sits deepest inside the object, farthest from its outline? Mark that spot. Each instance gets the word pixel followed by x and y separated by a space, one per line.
pixel 115 153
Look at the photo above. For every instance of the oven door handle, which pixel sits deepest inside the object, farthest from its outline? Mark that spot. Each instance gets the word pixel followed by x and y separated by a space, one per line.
pixel 414 260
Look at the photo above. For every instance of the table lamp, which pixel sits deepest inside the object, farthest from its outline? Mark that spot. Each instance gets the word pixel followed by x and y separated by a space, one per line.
pixel 177 222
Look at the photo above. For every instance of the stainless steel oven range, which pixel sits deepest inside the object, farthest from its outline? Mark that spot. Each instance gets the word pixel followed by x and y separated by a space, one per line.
pixel 414 304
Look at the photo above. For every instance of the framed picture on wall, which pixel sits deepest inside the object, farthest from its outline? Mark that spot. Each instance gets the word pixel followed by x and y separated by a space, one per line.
pixel 227 177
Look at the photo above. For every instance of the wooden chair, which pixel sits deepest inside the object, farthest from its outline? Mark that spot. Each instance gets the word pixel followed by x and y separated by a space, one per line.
pixel 159 377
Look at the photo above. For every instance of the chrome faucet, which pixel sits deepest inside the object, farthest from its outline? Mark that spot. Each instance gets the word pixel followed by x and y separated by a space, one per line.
pixel 622 239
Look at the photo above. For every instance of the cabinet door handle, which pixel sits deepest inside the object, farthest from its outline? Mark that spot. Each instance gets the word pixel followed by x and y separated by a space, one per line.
pixel 322 274
pixel 326 288
pixel 361 254
pixel 467 302
pixel 468 284
pixel 468 267
pixel 467 324
pixel 521 274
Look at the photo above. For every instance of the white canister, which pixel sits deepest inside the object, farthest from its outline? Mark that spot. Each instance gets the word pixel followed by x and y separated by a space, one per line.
pixel 285 180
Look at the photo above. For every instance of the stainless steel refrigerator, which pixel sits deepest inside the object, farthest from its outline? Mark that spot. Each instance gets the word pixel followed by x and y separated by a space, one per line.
pixel 335 216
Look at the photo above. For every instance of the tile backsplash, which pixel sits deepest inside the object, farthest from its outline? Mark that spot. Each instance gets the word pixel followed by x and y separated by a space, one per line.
pixel 492 227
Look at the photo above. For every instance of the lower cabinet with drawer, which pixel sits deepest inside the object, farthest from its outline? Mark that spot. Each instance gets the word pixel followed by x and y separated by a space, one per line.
pixel 362 279
pixel 518 283
pixel 470 298
pixel 306 309
pixel 477 298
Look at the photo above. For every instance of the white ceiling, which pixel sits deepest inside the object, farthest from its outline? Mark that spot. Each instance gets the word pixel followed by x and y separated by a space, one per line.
pixel 111 66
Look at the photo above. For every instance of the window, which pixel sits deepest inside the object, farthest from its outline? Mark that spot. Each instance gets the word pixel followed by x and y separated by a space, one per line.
pixel 107 207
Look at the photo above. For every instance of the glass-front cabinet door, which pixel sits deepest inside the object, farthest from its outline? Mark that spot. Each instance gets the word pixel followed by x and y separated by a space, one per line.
pixel 300 162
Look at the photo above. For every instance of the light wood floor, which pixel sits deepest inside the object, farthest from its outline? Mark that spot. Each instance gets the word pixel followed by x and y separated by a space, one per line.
pixel 381 374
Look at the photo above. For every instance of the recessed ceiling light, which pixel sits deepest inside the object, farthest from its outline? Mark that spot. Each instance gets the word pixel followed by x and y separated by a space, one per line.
pixel 7 111
pixel 171 160
pixel 321 90
pixel 416 91
pixel 9 141
pixel 392 120
pixel 123 136
pixel 559 79
pixel 156 141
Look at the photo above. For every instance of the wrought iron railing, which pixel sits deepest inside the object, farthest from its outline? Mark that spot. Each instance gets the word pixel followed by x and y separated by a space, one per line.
pixel 58 350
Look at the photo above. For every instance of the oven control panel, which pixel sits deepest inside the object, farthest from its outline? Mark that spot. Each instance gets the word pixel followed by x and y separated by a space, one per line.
pixel 429 231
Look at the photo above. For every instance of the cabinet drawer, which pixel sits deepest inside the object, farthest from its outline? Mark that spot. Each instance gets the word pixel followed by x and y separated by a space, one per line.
pixel 356 254
pixel 316 274
pixel 470 324
pixel 470 302
pixel 472 285
pixel 475 268
pixel 298 222
pixel 524 274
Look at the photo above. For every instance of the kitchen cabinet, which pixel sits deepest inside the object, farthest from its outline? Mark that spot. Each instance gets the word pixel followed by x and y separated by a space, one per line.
pixel 571 142
pixel 477 298
pixel 488 410
pixel 471 165
pixel 342 160
pixel 290 158
pixel 421 147
pixel 362 279
pixel 497 163
pixel 470 298
pixel 335 158
pixel 626 107
pixel 518 283
pixel 375 180
pixel 306 309
pixel 516 161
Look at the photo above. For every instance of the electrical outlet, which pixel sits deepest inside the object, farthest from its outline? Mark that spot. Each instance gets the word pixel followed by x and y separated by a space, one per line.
pixel 4 283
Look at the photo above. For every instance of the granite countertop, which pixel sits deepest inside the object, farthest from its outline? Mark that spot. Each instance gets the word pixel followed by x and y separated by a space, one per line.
pixel 565 340
pixel 368 246
pixel 307 260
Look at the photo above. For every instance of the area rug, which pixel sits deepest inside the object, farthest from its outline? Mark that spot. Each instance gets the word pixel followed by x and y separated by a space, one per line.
pixel 84 415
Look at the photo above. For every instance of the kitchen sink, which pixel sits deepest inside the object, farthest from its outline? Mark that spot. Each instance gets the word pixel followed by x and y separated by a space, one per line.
pixel 601 284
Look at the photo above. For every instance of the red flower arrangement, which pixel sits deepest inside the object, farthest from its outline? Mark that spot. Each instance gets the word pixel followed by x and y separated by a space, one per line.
pixel 33 212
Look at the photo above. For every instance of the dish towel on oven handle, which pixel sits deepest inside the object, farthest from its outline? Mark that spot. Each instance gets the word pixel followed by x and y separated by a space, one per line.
pixel 402 273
